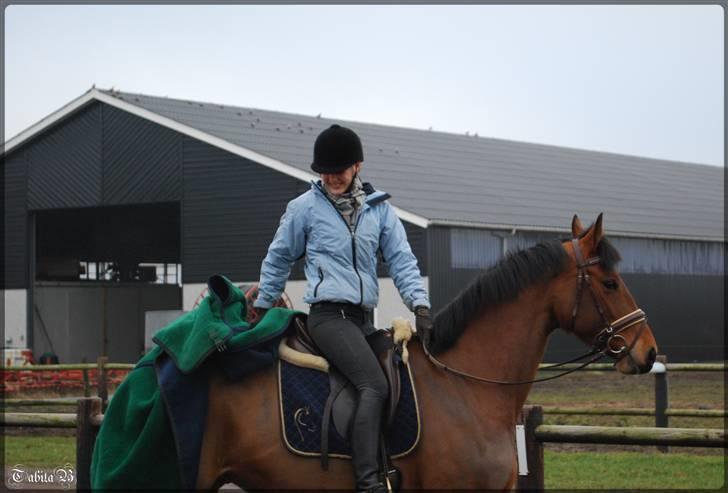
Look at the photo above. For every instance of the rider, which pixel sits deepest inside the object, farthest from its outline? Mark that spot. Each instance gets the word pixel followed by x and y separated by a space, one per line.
pixel 339 225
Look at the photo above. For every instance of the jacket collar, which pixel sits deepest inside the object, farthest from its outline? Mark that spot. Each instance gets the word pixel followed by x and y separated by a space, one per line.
pixel 373 196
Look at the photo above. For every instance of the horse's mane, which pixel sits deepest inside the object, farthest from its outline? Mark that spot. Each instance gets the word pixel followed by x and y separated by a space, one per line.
pixel 502 283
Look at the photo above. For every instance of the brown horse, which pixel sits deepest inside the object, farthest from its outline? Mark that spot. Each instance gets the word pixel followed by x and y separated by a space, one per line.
pixel 497 328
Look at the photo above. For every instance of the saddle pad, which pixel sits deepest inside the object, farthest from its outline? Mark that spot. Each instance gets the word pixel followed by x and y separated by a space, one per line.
pixel 302 393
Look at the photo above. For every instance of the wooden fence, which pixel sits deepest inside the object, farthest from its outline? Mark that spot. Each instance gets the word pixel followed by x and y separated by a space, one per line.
pixel 536 433
pixel 86 420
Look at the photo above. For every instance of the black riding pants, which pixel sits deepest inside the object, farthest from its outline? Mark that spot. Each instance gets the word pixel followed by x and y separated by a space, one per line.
pixel 338 331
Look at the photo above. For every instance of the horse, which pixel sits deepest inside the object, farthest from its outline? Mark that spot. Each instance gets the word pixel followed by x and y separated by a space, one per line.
pixel 472 376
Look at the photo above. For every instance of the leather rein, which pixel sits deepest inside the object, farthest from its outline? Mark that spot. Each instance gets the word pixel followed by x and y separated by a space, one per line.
pixel 602 343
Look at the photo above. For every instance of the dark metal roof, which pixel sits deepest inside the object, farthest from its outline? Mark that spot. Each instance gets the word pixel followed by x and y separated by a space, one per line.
pixel 458 179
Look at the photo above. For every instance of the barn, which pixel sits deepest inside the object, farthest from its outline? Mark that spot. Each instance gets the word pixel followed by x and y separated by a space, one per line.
pixel 119 205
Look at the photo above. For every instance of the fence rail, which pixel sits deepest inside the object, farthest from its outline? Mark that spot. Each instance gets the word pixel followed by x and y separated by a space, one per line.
pixel 70 366
pixel 45 420
pixel 55 401
pixel 636 411
pixel 687 367
pixel 667 366
pixel 632 435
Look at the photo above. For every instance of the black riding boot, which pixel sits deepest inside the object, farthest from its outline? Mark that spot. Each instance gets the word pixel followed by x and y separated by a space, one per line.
pixel 380 488
pixel 365 440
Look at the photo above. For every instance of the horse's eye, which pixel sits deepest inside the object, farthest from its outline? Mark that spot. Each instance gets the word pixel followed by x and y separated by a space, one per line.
pixel 610 284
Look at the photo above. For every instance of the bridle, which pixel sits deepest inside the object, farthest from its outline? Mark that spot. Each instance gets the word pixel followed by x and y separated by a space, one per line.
pixel 602 343
pixel 611 331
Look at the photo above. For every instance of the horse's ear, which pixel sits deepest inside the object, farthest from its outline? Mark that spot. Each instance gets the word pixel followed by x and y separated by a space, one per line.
pixel 576 228
pixel 594 235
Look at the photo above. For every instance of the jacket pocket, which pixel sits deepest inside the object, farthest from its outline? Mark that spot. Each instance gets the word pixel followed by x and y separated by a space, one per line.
pixel 321 279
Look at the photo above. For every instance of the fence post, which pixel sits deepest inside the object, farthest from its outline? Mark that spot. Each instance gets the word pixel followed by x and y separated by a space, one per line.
pixel 88 410
pixel 103 390
pixel 661 399
pixel 86 388
pixel 532 418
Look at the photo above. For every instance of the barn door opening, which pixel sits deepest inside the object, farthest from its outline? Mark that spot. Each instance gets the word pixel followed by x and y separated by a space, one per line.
pixel 97 271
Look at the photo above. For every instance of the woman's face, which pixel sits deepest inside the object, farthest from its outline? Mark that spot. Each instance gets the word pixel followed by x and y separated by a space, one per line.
pixel 338 183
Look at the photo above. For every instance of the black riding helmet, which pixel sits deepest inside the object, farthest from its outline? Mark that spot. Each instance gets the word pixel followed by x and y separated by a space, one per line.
pixel 335 149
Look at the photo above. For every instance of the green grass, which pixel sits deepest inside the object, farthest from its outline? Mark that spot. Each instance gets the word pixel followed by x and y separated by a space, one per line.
pixel 46 451
pixel 563 470
pixel 695 390
pixel 632 470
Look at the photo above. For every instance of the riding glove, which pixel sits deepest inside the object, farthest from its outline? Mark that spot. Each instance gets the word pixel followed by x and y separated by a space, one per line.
pixel 259 314
pixel 423 321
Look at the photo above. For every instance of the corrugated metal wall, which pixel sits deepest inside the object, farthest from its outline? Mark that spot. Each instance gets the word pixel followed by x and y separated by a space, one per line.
pixel 14 255
pixel 103 156
pixel 231 209
pixel 670 256
pixel 141 160
pixel 64 163
pixel 480 248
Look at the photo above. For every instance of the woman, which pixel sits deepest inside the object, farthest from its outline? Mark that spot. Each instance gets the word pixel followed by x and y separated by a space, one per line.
pixel 339 225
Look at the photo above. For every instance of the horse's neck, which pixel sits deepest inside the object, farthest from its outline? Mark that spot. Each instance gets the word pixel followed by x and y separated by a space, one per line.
pixel 506 343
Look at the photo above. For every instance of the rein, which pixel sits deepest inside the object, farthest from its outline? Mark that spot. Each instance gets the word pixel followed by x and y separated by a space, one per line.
pixel 602 345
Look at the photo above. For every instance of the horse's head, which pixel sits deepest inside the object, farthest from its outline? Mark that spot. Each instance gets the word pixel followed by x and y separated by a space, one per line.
pixel 593 303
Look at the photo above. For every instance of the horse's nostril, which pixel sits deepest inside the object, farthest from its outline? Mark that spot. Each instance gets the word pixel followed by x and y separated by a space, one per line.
pixel 651 356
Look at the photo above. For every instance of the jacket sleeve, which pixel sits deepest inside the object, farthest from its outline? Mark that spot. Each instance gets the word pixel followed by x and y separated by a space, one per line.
pixel 288 245
pixel 401 262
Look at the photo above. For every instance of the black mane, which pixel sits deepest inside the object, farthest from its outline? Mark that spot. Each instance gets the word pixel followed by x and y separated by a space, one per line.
pixel 503 283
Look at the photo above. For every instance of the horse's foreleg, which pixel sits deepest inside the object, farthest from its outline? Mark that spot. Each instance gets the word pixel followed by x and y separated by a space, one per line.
pixel 512 484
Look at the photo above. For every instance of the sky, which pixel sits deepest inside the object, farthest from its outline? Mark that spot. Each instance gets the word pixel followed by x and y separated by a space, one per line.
pixel 639 80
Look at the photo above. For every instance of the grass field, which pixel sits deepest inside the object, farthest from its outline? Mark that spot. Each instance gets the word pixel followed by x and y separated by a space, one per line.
pixel 42 451
pixel 632 470
pixel 563 470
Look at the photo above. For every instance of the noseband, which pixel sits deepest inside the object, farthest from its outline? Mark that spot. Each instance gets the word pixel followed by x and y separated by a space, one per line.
pixel 602 343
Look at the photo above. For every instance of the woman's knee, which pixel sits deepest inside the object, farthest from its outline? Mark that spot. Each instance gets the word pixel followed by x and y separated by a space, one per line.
pixel 375 387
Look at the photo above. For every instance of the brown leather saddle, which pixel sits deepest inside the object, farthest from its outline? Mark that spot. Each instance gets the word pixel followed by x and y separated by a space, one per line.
pixel 341 402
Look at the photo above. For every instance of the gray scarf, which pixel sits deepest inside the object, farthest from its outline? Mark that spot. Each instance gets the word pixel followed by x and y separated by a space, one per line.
pixel 349 203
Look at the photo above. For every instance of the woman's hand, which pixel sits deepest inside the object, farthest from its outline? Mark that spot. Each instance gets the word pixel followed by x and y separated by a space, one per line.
pixel 258 314
pixel 423 321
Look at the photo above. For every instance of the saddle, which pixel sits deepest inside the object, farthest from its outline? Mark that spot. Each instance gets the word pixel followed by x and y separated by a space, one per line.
pixel 388 345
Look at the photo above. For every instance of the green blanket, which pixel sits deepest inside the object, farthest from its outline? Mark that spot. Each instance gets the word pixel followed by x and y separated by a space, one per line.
pixel 135 447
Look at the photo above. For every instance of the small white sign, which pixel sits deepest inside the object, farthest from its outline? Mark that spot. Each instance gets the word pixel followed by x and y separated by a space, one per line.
pixel 521 449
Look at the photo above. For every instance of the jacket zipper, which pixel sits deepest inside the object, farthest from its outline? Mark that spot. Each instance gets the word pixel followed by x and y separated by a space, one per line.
pixel 353 254
pixel 321 279
pixel 353 244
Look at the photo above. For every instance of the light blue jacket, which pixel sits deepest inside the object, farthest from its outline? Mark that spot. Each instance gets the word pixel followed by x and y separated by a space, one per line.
pixel 340 266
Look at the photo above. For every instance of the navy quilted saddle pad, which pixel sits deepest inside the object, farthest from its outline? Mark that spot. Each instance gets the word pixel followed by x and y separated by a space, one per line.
pixel 302 395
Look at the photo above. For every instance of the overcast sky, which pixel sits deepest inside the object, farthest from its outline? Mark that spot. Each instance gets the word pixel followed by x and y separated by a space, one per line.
pixel 641 80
